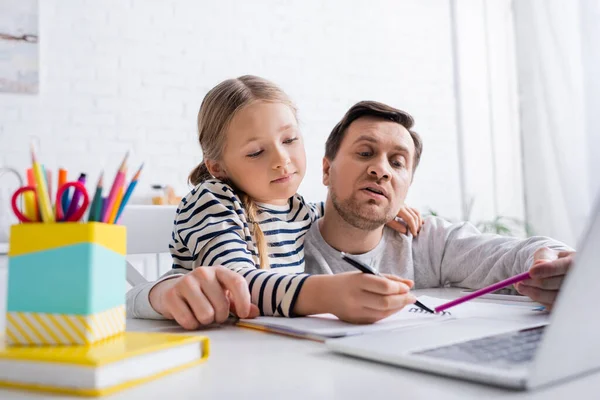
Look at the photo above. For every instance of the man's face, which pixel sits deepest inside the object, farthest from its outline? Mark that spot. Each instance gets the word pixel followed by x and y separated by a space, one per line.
pixel 371 173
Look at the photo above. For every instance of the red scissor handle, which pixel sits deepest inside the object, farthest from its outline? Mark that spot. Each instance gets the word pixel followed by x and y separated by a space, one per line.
pixel 60 213
pixel 15 199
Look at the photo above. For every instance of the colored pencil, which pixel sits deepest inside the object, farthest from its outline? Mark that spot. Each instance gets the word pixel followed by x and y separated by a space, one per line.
pixel 492 288
pixel 48 174
pixel 62 179
pixel 103 211
pixel 127 195
pixel 112 196
pixel 41 189
pixel 31 205
pixel 96 206
pixel 115 210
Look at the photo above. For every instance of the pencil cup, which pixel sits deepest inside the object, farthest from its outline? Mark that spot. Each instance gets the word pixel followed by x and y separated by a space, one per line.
pixel 66 283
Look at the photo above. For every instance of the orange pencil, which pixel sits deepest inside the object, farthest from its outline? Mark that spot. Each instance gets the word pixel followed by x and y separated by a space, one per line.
pixel 115 209
pixel 62 179
pixel 112 196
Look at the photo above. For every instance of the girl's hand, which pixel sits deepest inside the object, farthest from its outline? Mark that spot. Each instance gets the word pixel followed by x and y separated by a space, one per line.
pixel 354 296
pixel 364 299
pixel 203 296
pixel 411 219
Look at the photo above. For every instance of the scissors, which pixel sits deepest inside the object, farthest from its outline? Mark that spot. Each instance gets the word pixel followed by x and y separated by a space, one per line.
pixel 60 213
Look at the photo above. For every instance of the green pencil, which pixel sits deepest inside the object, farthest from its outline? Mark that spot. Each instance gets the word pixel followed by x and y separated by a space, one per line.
pixel 96 207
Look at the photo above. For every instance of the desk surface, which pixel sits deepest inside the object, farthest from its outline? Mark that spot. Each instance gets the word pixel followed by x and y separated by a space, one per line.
pixel 250 364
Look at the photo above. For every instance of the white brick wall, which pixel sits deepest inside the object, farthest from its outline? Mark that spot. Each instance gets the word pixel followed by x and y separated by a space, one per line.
pixel 130 75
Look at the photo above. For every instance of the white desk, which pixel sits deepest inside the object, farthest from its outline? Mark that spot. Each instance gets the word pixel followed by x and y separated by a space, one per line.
pixel 255 365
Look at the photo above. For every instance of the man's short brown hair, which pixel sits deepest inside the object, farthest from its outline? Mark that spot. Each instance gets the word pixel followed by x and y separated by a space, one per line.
pixel 377 110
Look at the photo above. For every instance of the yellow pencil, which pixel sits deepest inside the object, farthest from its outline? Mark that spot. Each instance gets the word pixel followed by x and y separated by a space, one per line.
pixel 30 206
pixel 42 190
pixel 118 199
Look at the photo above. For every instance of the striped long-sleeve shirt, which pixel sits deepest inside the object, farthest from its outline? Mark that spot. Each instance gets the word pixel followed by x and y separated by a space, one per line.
pixel 212 228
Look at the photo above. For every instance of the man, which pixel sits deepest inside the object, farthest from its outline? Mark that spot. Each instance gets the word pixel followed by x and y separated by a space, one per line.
pixel 370 160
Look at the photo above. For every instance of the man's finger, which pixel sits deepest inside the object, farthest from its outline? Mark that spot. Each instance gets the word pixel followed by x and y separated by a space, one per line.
pixel 539 295
pixel 553 283
pixel 544 254
pixel 565 253
pixel 398 226
pixel 552 268
pixel 238 289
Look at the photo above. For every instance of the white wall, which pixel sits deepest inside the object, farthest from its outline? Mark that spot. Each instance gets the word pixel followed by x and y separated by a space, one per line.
pixel 130 75
pixel 487 109
pixel 590 32
pixel 558 67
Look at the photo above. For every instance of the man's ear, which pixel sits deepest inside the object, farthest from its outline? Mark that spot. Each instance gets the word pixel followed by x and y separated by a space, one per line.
pixel 326 169
pixel 216 169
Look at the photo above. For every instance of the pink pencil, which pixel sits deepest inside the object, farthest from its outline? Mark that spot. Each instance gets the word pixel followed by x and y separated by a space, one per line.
pixel 118 182
pixel 492 288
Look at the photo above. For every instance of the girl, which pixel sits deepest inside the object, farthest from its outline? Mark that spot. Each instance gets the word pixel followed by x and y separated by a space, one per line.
pixel 244 212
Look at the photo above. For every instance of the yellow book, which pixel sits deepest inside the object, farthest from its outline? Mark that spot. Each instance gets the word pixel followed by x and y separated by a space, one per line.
pixel 103 368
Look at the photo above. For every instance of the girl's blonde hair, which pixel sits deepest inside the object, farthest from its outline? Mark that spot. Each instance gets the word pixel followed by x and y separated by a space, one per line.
pixel 217 110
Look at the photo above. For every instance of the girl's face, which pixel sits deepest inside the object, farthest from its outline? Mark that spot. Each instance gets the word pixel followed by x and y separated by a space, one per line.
pixel 264 153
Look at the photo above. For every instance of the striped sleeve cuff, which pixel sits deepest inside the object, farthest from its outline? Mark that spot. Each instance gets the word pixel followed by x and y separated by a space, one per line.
pixel 273 293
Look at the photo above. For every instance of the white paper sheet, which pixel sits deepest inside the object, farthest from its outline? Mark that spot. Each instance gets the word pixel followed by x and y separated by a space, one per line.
pixel 329 326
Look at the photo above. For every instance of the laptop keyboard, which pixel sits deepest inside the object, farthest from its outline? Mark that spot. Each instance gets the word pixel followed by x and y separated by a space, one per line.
pixel 506 350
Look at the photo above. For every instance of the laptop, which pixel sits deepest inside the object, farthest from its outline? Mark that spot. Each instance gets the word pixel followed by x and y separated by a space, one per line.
pixel 504 353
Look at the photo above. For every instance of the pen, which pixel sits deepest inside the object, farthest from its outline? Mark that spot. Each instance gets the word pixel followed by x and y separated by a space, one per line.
pixel 368 270
pixel 485 290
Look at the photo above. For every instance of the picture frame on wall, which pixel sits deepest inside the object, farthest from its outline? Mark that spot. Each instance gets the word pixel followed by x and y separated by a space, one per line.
pixel 19 53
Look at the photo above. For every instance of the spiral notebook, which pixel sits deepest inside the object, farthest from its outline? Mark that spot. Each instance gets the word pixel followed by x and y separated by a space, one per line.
pixel 103 368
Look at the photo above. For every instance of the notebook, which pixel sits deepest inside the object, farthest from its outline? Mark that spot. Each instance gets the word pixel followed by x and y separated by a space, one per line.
pixel 326 326
pixel 103 368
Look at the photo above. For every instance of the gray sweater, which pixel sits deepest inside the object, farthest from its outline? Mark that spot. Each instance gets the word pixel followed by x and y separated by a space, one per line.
pixel 443 254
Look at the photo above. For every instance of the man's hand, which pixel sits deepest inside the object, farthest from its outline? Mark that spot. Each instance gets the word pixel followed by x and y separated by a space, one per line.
pixel 547 274
pixel 203 296
pixel 411 220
